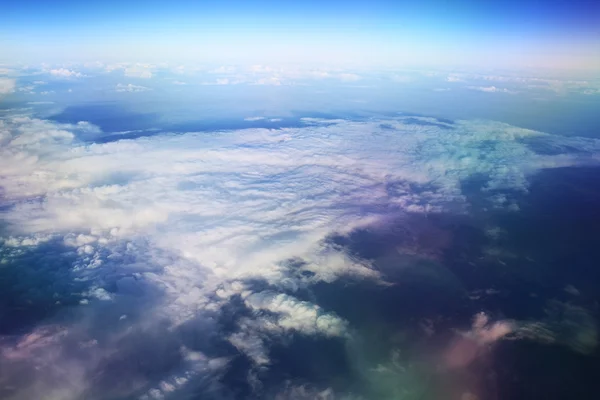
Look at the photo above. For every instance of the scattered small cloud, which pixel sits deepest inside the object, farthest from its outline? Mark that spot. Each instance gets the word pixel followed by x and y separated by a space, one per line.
pixel 138 72
pixel 26 89
pixel 65 73
pixel 489 89
pixel 224 69
pixel 222 82
pixel 454 78
pixel 130 88
pixel 273 80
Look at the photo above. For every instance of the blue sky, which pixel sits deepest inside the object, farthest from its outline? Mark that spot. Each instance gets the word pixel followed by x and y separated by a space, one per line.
pixel 536 33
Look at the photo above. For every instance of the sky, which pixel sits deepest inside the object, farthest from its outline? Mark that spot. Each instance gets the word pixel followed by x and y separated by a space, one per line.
pixel 518 34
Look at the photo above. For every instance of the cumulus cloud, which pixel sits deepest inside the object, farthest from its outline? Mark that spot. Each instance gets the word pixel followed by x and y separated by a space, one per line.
pixel 130 88
pixel 297 315
pixel 170 230
pixel 290 316
pixel 65 73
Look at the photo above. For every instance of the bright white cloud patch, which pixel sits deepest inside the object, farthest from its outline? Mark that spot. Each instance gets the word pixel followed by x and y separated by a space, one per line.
pixel 490 89
pixel 7 85
pixel 65 73
pixel 291 316
pixel 130 88
pixel 190 220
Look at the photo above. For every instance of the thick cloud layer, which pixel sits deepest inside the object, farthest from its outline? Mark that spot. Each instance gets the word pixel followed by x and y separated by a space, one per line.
pixel 167 233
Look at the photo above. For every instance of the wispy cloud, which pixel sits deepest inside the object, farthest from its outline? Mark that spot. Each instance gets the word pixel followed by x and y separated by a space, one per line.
pixel 130 88
pixel 138 71
pixel 454 78
pixel 490 89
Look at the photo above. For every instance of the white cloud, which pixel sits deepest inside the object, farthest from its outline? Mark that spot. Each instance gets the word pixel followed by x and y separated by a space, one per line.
pixel 454 78
pixel 130 88
pixel 490 89
pixel 138 71
pixel 195 217
pixel 271 80
pixel 27 89
pixel 297 315
pixel 223 81
pixel 223 70
pixel 7 85
pixel 290 316
pixel 254 118
pixel 65 73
